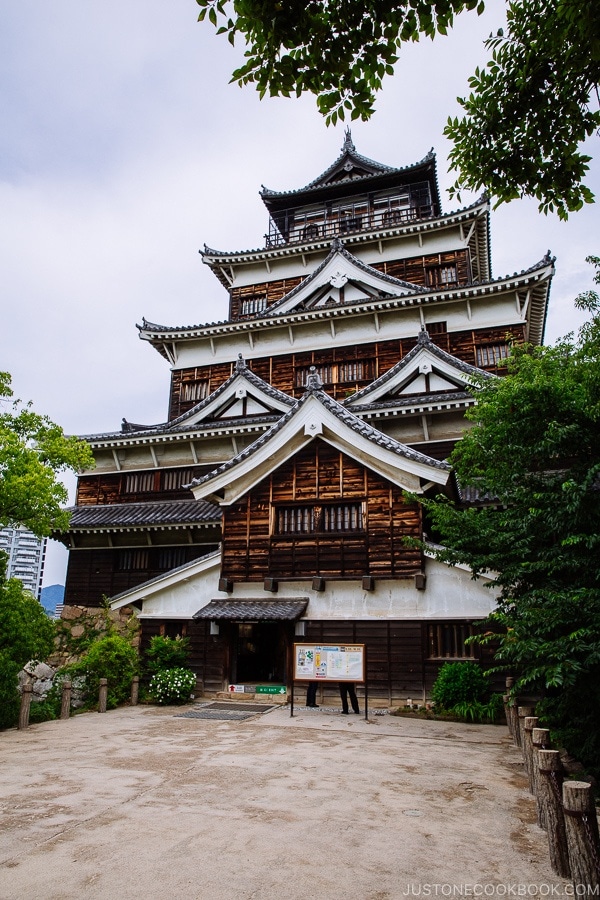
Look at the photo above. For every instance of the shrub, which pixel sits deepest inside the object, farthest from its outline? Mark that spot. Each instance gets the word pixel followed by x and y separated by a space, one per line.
pixel 478 711
pixel 111 657
pixel 172 685
pixel 26 633
pixel 167 653
pixel 458 682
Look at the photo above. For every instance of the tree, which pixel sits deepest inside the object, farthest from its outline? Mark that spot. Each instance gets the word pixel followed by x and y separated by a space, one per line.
pixel 534 457
pixel 33 452
pixel 529 110
pixel 26 633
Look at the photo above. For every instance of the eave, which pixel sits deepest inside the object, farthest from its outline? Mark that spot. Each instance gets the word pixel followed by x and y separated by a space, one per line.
pixel 221 262
pixel 119 440
pixel 534 282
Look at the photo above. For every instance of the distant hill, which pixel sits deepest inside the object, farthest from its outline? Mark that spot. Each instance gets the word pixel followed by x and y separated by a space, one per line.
pixel 51 596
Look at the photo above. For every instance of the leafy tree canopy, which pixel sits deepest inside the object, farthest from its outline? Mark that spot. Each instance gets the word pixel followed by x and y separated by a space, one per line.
pixel 26 633
pixel 33 452
pixel 529 109
pixel 534 456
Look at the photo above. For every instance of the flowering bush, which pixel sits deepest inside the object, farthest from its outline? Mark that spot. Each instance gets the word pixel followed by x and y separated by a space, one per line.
pixel 172 686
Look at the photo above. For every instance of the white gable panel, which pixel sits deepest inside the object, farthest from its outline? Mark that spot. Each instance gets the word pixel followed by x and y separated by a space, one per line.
pixel 437 383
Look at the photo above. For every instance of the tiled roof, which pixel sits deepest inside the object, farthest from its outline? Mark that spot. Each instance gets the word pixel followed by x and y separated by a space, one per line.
pixel 191 564
pixel 252 610
pixel 337 248
pixel 314 388
pixel 423 340
pixel 475 289
pixel 173 512
pixel 416 400
pixel 180 424
pixel 348 153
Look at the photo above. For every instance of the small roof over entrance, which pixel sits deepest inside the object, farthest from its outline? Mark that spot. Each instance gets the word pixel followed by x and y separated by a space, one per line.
pixel 254 610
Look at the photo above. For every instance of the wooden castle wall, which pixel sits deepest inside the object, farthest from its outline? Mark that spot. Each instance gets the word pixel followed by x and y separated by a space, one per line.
pixel 137 487
pixel 100 572
pixel 451 268
pixel 350 368
pixel 320 477
pixel 397 662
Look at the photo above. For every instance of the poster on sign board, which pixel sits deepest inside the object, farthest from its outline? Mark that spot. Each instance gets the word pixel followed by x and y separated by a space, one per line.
pixel 328 662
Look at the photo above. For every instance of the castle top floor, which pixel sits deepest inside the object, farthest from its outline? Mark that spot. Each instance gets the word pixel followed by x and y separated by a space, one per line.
pixel 355 194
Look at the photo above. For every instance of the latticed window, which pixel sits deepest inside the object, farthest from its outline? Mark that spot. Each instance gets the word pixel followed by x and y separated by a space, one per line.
pixel 139 482
pixel 171 557
pixel 133 559
pixel 172 481
pixel 437 275
pixel 447 641
pixel 295 520
pixel 492 354
pixel 325 373
pixel 192 391
pixel 437 327
pixel 342 517
pixel 254 305
pixel 347 372
pixel 331 518
pixel 355 370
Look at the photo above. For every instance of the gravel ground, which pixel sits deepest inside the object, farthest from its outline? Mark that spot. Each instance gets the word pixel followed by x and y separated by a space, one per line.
pixel 143 803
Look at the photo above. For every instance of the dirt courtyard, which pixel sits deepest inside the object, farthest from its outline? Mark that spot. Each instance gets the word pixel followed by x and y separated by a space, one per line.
pixel 141 803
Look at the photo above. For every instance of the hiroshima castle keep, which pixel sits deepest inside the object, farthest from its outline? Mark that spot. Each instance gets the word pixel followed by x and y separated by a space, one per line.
pixel 272 503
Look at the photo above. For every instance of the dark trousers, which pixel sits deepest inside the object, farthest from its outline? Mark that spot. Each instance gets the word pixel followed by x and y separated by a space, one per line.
pixel 347 689
pixel 311 693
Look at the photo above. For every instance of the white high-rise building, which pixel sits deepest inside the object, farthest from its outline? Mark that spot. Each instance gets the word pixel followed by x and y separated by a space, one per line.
pixel 26 557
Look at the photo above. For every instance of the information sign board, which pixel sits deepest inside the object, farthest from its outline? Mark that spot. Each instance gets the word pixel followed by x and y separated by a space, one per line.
pixel 327 662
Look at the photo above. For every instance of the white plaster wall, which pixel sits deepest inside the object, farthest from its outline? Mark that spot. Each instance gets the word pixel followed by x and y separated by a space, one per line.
pixel 481 312
pixel 441 240
pixel 450 593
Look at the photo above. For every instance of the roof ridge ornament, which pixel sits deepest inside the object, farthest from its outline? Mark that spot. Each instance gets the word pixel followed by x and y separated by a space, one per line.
pixel 423 339
pixel 337 244
pixel 313 382
pixel 240 364
pixel 348 144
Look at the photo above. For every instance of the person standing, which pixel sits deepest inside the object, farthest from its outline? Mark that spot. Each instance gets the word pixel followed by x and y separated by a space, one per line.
pixel 311 695
pixel 347 689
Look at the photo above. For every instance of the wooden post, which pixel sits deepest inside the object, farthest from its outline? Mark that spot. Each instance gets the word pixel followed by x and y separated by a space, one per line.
pixel 26 694
pixel 135 690
pixel 509 706
pixel 581 826
pixel 508 712
pixel 65 706
pixel 522 713
pixel 103 695
pixel 551 772
pixel 529 723
pixel 540 738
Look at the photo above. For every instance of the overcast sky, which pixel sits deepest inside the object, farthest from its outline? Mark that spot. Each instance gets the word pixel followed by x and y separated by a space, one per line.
pixel 124 149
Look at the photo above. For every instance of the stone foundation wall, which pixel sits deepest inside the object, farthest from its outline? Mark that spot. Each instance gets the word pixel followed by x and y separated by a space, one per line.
pixel 79 624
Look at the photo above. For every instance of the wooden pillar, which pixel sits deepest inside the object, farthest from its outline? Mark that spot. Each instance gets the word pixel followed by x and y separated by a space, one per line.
pixel 26 694
pixel 529 723
pixel 509 706
pixel 522 713
pixel 540 738
pixel 551 772
pixel 103 695
pixel 581 826
pixel 65 705
pixel 135 690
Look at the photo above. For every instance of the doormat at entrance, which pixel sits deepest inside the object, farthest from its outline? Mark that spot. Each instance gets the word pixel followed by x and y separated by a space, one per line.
pixel 226 711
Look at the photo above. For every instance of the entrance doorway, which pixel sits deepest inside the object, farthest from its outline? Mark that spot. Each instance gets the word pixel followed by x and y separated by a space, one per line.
pixel 259 653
